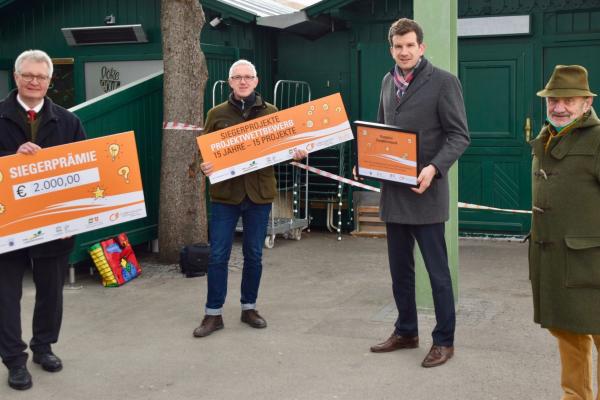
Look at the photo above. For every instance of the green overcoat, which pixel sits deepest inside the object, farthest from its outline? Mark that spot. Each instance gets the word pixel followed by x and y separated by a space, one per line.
pixel 260 186
pixel 564 248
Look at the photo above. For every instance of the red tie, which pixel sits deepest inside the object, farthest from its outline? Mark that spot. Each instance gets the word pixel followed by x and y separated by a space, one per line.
pixel 31 114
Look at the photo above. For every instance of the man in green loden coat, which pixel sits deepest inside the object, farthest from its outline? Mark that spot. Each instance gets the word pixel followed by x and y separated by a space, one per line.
pixel 564 248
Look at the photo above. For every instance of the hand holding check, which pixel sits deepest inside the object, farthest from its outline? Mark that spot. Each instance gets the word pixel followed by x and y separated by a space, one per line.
pixel 28 148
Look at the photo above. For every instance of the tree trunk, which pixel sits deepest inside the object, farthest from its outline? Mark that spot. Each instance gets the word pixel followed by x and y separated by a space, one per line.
pixel 182 217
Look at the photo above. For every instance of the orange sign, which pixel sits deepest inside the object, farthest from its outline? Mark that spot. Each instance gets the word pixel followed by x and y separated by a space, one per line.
pixel 387 153
pixel 271 139
pixel 69 189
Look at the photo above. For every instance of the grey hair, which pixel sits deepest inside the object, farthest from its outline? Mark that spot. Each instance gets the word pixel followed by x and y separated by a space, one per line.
pixel 36 56
pixel 241 62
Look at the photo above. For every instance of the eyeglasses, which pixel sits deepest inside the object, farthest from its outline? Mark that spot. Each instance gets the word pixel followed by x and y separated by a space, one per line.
pixel 31 77
pixel 238 78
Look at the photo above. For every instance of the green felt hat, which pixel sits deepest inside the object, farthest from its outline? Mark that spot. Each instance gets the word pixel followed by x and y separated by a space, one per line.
pixel 567 81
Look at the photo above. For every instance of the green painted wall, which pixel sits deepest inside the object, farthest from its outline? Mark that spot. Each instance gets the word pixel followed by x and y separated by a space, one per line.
pixel 37 23
pixel 297 61
pixel 438 20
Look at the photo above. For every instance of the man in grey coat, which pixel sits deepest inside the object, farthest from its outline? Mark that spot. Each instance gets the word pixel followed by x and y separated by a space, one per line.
pixel 417 96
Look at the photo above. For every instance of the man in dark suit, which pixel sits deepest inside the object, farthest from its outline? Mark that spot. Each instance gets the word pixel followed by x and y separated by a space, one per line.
pixel 417 96
pixel 30 121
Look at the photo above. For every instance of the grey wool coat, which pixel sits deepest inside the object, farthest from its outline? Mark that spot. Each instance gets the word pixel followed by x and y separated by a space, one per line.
pixel 564 247
pixel 433 106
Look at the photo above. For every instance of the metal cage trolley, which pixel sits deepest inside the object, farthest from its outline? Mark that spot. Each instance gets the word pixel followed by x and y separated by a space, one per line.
pixel 289 217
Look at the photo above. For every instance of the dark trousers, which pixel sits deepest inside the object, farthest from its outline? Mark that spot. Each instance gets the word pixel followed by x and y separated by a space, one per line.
pixel 48 276
pixel 401 242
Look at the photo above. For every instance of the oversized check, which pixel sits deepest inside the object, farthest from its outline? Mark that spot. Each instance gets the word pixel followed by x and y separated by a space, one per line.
pixel 69 189
pixel 271 139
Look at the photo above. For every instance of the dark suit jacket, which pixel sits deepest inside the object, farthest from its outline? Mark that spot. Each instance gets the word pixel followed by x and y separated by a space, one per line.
pixel 57 126
pixel 433 105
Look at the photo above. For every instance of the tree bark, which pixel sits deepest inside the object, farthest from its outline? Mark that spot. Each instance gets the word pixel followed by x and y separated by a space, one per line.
pixel 182 214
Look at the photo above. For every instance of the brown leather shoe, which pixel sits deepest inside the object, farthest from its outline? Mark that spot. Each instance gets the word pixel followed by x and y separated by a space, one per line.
pixel 438 355
pixel 396 342
pixel 209 324
pixel 253 318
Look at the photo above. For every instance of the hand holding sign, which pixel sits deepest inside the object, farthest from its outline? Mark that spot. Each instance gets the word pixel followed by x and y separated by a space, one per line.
pixel 299 154
pixel 28 148
pixel 207 168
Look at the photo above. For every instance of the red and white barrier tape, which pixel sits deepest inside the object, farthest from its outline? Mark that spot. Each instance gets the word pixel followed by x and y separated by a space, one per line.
pixel 180 126
pixel 478 207
pixel 335 177
pixel 374 189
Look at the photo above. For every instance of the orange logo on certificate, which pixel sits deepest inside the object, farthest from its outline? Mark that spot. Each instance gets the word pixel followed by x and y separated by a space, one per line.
pixel 69 189
pixel 271 139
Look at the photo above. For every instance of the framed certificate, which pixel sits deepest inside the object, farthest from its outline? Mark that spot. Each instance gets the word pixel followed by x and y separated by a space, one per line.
pixel 387 153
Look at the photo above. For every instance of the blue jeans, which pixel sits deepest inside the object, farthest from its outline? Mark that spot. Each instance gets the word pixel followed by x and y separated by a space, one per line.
pixel 222 225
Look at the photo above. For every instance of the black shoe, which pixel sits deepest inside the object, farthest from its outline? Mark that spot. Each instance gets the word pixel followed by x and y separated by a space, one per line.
pixel 48 361
pixel 19 378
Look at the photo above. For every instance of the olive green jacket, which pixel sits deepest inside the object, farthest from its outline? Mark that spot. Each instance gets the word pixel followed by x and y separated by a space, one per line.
pixel 564 248
pixel 259 186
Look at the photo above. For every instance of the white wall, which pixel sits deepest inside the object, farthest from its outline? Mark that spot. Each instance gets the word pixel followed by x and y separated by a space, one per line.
pixel 103 77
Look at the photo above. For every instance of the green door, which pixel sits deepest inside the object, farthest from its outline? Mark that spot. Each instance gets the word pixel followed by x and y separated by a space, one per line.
pixel 374 61
pixel 6 72
pixel 495 170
